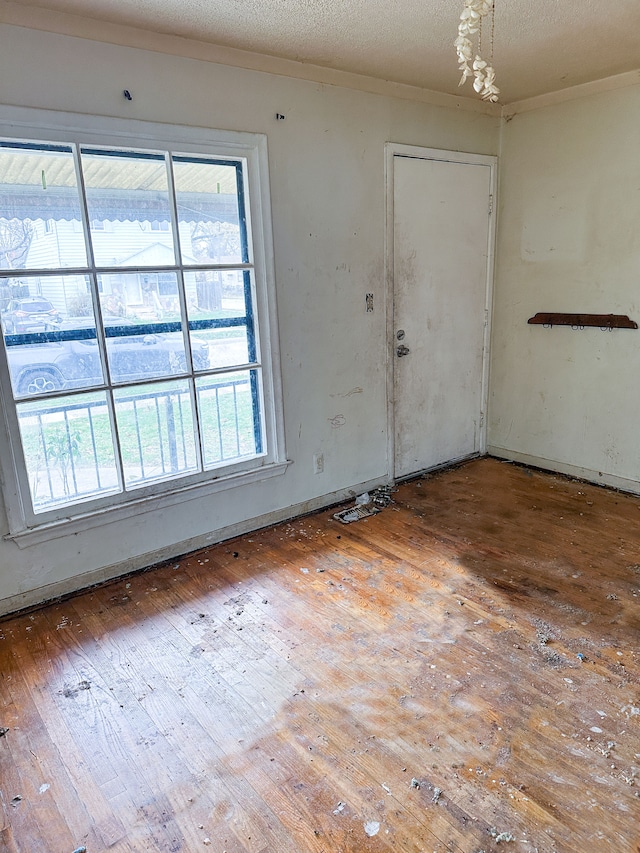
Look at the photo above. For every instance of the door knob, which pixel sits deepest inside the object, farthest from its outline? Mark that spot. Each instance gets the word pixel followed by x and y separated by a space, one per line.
pixel 402 350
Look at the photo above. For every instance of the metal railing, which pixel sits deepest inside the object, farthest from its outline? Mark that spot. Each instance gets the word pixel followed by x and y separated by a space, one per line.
pixel 70 446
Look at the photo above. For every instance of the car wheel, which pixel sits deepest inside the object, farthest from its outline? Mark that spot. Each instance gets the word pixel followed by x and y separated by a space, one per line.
pixel 40 382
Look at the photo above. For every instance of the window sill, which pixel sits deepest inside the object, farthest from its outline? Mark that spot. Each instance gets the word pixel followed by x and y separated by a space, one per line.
pixel 110 515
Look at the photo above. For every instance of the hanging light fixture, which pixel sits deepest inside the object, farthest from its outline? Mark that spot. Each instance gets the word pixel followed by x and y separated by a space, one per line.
pixel 478 68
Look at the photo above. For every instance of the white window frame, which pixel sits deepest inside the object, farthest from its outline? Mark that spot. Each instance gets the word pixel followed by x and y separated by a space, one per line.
pixel 26 527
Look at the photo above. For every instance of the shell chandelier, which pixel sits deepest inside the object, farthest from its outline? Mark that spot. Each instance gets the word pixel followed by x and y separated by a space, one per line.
pixel 478 68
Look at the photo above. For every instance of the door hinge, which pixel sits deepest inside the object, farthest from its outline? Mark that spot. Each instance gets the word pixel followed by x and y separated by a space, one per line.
pixel 481 419
pixel 490 205
pixel 486 317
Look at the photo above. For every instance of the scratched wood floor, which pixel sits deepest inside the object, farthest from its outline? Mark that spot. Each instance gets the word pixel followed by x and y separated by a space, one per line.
pixel 458 673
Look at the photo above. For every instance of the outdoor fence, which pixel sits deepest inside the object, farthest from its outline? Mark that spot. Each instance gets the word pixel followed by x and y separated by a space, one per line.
pixel 72 451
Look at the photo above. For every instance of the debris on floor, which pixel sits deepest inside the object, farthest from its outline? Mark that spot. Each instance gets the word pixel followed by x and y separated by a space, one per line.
pixel 71 691
pixel 369 503
pixel 3 731
pixel 372 827
pixel 501 836
pixel 415 783
pixel 381 497
pixel 437 793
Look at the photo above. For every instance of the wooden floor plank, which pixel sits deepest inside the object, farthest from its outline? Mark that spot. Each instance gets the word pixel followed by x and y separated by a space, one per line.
pixel 462 665
pixel 177 688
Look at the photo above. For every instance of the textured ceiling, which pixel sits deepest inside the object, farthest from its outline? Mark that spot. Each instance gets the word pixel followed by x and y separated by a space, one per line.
pixel 540 47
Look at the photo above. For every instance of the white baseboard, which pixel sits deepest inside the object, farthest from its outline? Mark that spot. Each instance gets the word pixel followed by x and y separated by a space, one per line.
pixel 59 589
pixel 601 478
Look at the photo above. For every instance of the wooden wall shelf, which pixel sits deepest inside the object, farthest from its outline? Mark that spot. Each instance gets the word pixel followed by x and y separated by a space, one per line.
pixel 579 321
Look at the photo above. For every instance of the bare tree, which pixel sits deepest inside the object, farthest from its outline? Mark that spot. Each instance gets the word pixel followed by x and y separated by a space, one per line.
pixel 15 240
pixel 213 240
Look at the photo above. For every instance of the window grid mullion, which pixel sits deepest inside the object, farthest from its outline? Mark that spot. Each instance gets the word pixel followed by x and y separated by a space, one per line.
pixel 177 248
pixel 105 270
pixel 92 273
pixel 97 308
pixel 182 298
pixel 75 392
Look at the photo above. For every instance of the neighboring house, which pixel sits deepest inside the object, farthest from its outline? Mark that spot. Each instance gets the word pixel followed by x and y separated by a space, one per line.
pixel 146 292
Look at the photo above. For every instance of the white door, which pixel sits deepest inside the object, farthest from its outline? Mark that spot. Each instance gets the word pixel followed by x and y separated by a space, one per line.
pixel 441 237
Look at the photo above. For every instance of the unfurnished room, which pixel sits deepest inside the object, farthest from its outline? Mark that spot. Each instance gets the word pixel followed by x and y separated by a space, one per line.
pixel 319 456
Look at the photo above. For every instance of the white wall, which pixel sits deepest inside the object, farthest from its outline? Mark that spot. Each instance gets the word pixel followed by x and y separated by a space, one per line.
pixel 569 241
pixel 327 190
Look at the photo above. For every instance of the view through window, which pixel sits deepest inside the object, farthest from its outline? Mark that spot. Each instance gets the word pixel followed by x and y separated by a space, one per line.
pixel 127 312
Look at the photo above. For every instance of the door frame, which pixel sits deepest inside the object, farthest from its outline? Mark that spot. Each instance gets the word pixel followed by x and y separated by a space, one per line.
pixel 391 150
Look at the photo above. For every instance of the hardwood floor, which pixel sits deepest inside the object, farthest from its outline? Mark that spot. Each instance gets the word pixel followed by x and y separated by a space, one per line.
pixel 459 672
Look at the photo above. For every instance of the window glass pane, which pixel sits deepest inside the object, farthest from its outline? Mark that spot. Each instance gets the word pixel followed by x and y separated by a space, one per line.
pixel 144 351
pixel 126 193
pixel 40 217
pixel 68 447
pixel 220 296
pixel 50 339
pixel 229 416
pixel 226 347
pixel 147 296
pixel 216 293
pixel 144 341
pixel 208 212
pixel 156 431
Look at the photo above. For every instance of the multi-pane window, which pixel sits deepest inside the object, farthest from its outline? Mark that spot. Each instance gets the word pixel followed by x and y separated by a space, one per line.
pixel 129 325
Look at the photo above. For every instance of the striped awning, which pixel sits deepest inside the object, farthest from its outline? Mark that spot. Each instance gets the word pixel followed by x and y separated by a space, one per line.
pixel 23 202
